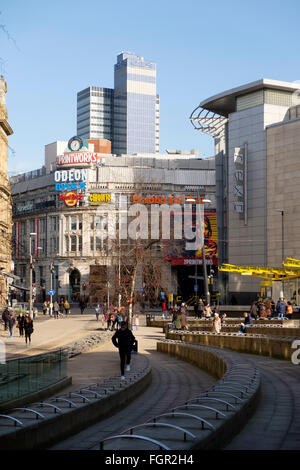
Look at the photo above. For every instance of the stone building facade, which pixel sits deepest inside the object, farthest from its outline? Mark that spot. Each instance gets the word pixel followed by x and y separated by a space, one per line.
pixel 5 199
pixel 68 235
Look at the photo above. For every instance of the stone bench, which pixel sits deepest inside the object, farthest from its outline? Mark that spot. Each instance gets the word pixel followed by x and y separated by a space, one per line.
pixel 276 347
pixel 208 420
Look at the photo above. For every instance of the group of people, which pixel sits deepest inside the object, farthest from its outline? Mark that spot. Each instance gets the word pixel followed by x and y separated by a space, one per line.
pixel 114 316
pixel 267 308
pixel 23 322
pixel 57 308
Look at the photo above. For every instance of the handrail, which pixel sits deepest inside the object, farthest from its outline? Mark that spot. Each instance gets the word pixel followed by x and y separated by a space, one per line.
pixel 97 394
pixel 227 387
pixel 65 399
pixel 186 414
pixel 201 406
pixel 12 418
pixel 224 393
pixel 33 411
pixel 42 403
pixel 213 399
pixel 179 428
pixel 134 436
pixel 78 395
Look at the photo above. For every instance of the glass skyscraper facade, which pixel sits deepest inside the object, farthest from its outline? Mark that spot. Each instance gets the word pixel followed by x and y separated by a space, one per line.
pixel 127 115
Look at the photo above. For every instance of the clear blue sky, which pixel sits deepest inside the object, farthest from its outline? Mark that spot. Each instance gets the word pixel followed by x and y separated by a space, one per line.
pixel 50 50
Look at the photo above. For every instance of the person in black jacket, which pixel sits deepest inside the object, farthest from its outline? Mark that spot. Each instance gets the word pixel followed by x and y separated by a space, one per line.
pixel 124 340
pixel 21 321
pixel 28 328
pixel 5 318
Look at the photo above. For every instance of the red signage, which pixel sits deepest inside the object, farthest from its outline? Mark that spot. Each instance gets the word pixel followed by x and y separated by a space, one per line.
pixel 71 198
pixel 75 158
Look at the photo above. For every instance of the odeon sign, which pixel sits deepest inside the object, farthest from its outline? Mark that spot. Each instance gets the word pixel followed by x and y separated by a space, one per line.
pixel 71 175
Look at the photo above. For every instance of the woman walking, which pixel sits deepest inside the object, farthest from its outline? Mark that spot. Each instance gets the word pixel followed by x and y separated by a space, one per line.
pixel 55 309
pixel 137 322
pixel 67 307
pixel 216 328
pixel 45 307
pixel 11 322
pixel 28 328
pixel 21 321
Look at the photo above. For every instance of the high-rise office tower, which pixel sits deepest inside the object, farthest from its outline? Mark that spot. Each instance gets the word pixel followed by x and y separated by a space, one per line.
pixel 128 115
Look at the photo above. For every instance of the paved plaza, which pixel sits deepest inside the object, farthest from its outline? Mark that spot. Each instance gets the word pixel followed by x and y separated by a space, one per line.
pixel 275 424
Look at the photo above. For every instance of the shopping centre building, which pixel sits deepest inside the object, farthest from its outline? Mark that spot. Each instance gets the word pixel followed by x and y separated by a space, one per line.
pixel 64 204
pixel 256 131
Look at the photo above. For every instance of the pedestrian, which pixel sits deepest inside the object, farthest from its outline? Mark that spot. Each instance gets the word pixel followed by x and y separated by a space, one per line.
pixel 20 324
pixel 28 328
pixel 11 323
pixel 268 311
pixel 67 307
pixel 196 307
pixel 176 320
pixel 44 308
pixel 82 306
pixel 289 310
pixel 61 305
pixel 216 327
pixel 124 340
pixel 97 311
pixel 222 318
pixel 247 322
pixel 207 311
pixel 280 308
pixel 137 322
pixel 5 318
pixel 200 308
pixel 253 310
pixel 164 309
pixel 55 309
pixel 183 320
pixel 48 308
pixel 261 309
pixel 107 320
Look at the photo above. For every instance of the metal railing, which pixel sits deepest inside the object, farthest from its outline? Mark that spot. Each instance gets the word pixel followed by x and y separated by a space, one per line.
pixel 24 376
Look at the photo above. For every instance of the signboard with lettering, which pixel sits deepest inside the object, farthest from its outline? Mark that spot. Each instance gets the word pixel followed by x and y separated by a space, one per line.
pixel 99 198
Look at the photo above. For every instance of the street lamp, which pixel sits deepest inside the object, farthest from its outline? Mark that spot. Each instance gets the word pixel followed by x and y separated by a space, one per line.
pixel 33 234
pixel 282 241
pixel 282 231
pixel 206 289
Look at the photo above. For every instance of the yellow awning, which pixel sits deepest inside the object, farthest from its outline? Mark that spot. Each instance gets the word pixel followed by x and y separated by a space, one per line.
pixel 292 262
pixel 273 274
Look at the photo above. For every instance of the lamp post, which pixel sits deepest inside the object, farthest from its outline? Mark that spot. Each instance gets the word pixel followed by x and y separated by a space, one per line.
pixel 206 289
pixel 30 274
pixel 282 242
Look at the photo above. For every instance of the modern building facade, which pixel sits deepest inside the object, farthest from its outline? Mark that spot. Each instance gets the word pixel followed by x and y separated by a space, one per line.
pixel 5 200
pixel 244 122
pixel 68 231
pixel 128 114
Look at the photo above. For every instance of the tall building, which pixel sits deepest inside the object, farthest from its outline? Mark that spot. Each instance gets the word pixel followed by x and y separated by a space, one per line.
pixel 128 114
pixel 255 128
pixel 5 199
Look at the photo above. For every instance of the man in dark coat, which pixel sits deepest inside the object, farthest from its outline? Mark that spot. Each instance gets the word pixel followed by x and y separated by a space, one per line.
pixel 5 318
pixel 124 340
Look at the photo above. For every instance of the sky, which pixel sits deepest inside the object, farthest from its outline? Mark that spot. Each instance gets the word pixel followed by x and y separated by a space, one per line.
pixel 50 50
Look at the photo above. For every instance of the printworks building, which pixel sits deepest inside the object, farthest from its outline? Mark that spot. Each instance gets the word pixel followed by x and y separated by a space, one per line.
pixel 66 202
